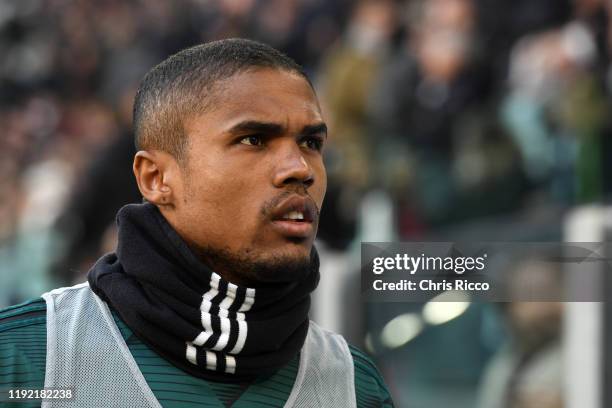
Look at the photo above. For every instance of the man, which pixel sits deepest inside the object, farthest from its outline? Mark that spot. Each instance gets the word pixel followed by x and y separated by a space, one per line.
pixel 205 301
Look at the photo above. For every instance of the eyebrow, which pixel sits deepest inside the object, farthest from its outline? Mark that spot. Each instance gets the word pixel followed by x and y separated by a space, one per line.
pixel 272 128
pixel 314 129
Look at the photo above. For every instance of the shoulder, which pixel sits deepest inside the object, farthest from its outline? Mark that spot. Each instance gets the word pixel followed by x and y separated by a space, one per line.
pixel 370 388
pixel 23 344
pixel 25 320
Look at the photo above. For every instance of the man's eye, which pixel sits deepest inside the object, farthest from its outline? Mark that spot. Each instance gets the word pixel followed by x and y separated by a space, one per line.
pixel 252 140
pixel 313 143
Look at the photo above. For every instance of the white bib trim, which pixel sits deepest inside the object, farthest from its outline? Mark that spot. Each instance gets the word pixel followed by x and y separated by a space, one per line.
pixel 86 352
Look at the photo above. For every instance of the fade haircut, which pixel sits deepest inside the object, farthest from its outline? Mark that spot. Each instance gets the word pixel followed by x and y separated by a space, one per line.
pixel 183 85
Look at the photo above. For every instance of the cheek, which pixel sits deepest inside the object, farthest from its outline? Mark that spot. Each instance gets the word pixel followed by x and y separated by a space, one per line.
pixel 213 179
pixel 225 200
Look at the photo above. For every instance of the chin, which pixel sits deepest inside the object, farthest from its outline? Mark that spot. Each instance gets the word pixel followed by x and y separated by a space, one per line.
pixel 298 247
pixel 291 263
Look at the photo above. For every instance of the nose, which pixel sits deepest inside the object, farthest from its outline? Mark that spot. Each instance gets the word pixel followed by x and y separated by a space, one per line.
pixel 293 169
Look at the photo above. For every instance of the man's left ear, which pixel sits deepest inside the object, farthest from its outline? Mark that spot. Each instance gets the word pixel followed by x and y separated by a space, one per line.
pixel 156 174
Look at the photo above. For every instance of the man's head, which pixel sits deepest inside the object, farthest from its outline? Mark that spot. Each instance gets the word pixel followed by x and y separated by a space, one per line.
pixel 229 135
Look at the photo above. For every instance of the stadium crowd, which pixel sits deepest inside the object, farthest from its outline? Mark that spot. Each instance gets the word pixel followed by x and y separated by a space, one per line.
pixel 455 109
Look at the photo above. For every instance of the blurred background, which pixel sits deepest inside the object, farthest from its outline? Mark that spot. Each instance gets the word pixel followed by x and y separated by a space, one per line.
pixel 450 120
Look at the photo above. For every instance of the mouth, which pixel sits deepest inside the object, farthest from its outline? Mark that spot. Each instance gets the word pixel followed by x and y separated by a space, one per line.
pixel 295 217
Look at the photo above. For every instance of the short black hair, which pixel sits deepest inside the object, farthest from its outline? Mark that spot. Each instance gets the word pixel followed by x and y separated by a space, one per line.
pixel 182 84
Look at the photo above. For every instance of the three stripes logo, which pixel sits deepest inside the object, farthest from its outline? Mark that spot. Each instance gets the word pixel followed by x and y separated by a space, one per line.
pixel 224 326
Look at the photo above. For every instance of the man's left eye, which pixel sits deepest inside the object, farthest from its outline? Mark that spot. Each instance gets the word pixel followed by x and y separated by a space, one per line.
pixel 252 140
pixel 313 143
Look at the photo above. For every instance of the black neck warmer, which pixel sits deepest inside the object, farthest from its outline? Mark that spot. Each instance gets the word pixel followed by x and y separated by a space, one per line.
pixel 188 314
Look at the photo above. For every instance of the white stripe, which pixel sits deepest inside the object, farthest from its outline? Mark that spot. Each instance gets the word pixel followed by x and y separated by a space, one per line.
pixel 207 297
pixel 232 289
pixel 214 280
pixel 230 364
pixel 240 316
pixel 230 295
pixel 226 303
pixel 202 338
pixel 249 299
pixel 212 292
pixel 192 354
pixel 242 335
pixel 206 322
pixel 224 337
pixel 211 360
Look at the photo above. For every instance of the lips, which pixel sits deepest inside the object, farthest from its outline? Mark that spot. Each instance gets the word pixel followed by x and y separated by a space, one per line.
pixel 294 217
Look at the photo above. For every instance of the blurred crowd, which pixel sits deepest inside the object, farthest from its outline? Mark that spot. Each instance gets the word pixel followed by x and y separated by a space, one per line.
pixel 454 109
pixel 444 111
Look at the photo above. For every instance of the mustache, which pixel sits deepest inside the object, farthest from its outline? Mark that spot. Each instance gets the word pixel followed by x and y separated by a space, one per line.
pixel 268 206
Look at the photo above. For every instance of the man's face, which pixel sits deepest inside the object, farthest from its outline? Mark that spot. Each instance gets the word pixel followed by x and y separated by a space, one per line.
pixel 254 178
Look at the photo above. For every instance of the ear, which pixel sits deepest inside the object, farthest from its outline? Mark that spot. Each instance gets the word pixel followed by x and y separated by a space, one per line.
pixel 157 175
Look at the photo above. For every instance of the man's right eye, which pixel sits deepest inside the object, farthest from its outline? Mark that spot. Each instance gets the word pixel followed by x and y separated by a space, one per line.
pixel 252 140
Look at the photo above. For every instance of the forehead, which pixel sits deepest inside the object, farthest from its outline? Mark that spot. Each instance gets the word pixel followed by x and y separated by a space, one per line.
pixel 268 95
